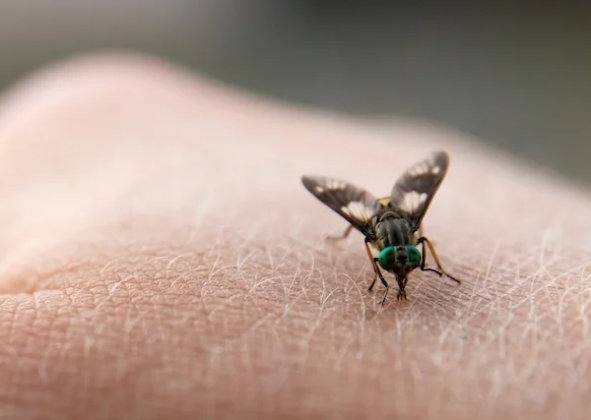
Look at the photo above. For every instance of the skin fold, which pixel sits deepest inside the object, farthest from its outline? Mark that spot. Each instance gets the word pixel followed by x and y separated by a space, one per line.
pixel 161 259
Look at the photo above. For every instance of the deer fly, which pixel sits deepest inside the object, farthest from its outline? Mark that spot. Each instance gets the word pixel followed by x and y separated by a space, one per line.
pixel 391 225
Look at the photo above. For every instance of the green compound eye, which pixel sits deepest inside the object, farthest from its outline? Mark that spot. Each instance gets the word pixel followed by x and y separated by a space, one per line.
pixel 387 258
pixel 414 256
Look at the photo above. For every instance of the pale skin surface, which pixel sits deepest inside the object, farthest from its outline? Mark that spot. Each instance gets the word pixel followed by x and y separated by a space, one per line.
pixel 160 259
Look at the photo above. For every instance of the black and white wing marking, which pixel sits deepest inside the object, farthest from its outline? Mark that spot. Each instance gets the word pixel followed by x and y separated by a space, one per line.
pixel 415 189
pixel 354 204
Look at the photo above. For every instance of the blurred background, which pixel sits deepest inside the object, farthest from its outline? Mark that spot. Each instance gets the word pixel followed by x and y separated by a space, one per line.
pixel 516 75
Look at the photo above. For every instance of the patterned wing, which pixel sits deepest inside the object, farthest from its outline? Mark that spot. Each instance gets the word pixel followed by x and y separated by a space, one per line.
pixel 354 204
pixel 415 189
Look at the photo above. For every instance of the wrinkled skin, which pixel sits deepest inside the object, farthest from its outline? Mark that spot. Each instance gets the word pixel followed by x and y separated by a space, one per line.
pixel 160 259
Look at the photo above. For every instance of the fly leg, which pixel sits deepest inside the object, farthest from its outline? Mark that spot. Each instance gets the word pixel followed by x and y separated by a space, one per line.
pixel 401 288
pixel 423 240
pixel 376 269
pixel 421 234
pixel 341 237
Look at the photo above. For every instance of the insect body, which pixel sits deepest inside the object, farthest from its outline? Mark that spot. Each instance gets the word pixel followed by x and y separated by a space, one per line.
pixel 391 225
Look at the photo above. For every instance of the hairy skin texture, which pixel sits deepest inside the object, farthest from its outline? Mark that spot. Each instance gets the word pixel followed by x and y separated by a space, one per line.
pixel 160 259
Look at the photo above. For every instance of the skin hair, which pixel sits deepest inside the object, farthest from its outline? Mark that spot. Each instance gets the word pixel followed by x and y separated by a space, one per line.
pixel 160 259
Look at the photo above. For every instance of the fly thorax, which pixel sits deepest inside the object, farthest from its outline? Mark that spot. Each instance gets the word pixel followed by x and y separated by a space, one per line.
pixel 394 232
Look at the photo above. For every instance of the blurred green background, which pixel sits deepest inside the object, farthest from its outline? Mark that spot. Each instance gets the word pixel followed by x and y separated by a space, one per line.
pixel 515 75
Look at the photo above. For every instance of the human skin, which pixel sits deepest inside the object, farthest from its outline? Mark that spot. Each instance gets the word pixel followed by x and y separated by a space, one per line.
pixel 161 259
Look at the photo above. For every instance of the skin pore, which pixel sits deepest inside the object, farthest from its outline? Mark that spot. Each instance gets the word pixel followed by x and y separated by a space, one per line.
pixel 160 259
